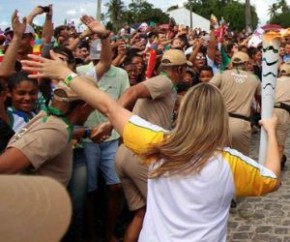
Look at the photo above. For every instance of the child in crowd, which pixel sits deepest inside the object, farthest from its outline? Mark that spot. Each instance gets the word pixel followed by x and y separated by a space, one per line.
pixel 22 97
pixel 205 74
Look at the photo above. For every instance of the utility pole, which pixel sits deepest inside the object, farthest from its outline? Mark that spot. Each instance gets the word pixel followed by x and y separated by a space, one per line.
pixel 248 16
pixel 190 16
pixel 98 15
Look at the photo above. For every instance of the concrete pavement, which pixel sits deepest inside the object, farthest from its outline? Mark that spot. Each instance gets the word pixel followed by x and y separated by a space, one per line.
pixel 264 218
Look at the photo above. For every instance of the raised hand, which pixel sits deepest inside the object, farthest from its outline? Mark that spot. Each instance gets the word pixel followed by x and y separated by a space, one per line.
pixel 42 67
pixel 94 25
pixel 50 12
pixel 17 26
pixel 37 11
pixel 269 124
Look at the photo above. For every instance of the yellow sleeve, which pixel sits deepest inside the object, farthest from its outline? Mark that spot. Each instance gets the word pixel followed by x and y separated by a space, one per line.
pixel 139 134
pixel 250 178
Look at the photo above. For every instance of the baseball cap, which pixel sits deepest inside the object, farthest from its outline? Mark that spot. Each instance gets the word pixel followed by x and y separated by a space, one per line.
pixel 285 68
pixel 64 93
pixel 240 57
pixel 33 208
pixel 143 27
pixel 8 31
pixel 95 49
pixel 174 57
pixel 29 29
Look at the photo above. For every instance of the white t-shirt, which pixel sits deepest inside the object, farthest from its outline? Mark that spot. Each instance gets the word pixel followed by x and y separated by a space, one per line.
pixel 191 209
pixel 194 207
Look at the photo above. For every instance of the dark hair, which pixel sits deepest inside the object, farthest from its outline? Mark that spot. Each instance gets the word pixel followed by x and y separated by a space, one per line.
pixel 206 68
pixel 127 61
pixel 18 77
pixel 252 51
pixel 45 88
pixel 129 58
pixel 58 29
pixel 229 47
pixel 152 34
pixel 84 44
pixel 66 52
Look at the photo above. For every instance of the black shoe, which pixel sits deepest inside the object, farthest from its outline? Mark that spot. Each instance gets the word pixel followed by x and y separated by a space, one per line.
pixel 283 161
pixel 233 204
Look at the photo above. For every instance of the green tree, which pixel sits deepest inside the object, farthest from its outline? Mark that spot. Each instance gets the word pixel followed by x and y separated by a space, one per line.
pixel 140 7
pixel 206 7
pixel 142 11
pixel 156 15
pixel 115 13
pixel 172 8
pixel 281 19
pixel 283 5
pixel 272 11
pixel 233 11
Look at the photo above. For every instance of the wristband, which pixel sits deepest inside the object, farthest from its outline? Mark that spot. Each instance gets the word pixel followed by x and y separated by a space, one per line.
pixel 69 78
pixel 105 36
pixel 87 133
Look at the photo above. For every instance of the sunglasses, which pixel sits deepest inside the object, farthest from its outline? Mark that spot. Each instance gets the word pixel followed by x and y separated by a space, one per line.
pixel 200 58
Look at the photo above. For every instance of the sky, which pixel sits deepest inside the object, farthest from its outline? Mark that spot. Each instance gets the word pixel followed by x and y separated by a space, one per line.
pixel 73 9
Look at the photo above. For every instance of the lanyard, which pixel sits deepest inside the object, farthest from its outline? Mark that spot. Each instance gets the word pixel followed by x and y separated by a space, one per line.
pixel 57 113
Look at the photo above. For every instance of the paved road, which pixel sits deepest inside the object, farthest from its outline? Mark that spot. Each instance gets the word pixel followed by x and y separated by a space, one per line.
pixel 264 218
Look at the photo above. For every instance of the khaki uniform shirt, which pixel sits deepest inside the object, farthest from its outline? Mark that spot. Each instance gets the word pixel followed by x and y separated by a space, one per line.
pixel 238 88
pixel 46 144
pixel 159 108
pixel 282 94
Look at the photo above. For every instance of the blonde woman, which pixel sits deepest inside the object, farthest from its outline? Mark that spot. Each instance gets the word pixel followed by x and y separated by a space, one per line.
pixel 193 175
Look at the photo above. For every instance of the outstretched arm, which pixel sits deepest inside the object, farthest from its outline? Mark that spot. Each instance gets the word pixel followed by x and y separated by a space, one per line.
pixel 272 161
pixel 7 66
pixel 56 69
pixel 47 31
pixel 38 10
pixel 106 53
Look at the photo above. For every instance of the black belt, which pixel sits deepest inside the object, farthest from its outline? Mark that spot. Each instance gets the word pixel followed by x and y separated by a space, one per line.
pixel 284 106
pixel 235 115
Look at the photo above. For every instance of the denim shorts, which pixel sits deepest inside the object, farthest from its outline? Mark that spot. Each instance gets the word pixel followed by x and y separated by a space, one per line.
pixel 101 157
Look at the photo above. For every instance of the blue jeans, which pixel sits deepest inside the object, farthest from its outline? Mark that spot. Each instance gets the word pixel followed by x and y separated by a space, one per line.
pixel 77 189
pixel 101 156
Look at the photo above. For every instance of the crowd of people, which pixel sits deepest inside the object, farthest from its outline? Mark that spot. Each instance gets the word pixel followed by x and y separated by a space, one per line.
pixel 156 120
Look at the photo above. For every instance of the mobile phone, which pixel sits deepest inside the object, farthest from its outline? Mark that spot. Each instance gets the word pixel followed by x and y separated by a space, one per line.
pixel 45 9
